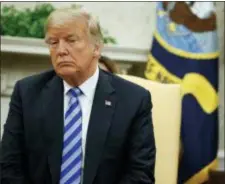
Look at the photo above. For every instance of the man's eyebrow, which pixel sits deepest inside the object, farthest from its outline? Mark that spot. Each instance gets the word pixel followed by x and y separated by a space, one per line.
pixel 70 36
pixel 48 39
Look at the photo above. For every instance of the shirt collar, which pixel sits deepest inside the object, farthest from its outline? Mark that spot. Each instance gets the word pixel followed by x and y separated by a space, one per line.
pixel 88 87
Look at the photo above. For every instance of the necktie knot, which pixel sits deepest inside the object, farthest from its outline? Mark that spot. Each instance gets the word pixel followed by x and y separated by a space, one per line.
pixel 74 92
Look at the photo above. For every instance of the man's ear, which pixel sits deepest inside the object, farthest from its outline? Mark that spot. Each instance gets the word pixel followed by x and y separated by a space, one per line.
pixel 97 49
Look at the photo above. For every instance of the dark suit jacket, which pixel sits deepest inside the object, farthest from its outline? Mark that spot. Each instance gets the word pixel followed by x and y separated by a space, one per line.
pixel 120 147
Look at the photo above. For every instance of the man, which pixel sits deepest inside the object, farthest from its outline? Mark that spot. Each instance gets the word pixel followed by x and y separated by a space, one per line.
pixel 77 124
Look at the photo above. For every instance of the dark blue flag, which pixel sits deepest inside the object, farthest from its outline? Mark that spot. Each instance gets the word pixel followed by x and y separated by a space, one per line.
pixel 185 51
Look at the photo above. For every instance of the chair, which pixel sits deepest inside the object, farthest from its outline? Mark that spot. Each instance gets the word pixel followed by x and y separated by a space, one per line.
pixel 166 114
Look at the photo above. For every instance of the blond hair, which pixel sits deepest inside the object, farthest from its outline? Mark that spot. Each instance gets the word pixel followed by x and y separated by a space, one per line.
pixel 60 16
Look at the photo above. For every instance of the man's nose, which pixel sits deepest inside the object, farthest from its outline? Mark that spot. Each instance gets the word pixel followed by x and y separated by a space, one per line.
pixel 62 48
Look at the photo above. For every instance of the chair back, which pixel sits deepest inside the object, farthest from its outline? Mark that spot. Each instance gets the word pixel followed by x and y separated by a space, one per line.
pixel 166 115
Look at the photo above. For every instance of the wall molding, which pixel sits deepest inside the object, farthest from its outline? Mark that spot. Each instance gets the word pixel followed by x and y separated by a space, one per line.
pixel 37 47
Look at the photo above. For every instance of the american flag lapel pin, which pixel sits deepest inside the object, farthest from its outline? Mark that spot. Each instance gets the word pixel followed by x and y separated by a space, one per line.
pixel 108 103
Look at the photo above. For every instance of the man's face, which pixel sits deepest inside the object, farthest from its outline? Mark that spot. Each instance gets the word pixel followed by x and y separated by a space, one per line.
pixel 71 49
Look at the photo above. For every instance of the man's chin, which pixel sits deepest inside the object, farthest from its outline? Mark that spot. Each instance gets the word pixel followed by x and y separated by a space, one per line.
pixel 66 72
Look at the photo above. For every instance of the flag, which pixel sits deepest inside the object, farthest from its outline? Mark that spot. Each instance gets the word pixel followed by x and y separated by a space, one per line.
pixel 185 51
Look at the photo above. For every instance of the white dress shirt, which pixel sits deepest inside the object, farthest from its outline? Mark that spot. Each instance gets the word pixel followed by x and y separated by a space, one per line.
pixel 86 100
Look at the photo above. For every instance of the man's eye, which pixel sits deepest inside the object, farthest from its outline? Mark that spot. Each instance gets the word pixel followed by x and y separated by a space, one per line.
pixel 53 42
pixel 72 41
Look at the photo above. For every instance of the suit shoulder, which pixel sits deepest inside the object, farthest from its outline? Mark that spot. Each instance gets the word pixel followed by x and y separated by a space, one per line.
pixel 35 79
pixel 127 87
pixel 131 96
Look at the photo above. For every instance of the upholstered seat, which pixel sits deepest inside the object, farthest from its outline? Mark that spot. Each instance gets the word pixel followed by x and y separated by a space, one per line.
pixel 166 112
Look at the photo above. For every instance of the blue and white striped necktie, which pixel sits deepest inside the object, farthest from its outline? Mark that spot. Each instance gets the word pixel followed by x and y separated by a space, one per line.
pixel 71 167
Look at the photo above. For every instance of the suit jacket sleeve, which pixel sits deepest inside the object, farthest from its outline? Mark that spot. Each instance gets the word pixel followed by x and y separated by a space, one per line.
pixel 141 147
pixel 12 145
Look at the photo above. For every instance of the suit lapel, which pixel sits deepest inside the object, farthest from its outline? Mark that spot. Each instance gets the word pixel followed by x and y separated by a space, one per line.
pixel 53 124
pixel 100 120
